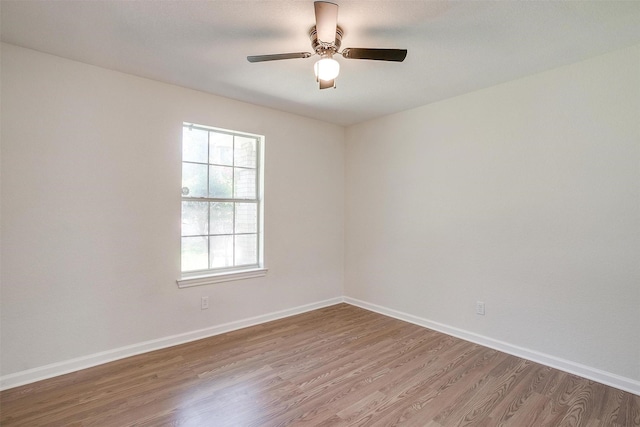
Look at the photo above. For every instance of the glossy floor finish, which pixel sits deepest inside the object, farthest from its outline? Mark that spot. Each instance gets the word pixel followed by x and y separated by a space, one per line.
pixel 337 366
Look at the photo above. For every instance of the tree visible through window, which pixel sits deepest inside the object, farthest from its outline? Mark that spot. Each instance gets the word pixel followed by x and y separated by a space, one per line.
pixel 220 200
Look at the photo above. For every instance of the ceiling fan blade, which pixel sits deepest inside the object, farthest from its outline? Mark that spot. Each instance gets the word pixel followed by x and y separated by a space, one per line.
pixel 326 21
pixel 396 55
pixel 278 56
pixel 326 84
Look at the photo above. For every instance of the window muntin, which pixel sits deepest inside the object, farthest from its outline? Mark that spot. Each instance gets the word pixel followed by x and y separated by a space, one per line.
pixel 221 202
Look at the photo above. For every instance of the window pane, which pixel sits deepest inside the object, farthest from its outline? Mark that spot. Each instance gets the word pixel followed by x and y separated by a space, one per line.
pixel 221 149
pixel 244 183
pixel 220 208
pixel 195 218
pixel 194 145
pixel 246 249
pixel 194 178
pixel 220 179
pixel 221 251
pixel 245 152
pixel 246 217
pixel 194 253
pixel 221 218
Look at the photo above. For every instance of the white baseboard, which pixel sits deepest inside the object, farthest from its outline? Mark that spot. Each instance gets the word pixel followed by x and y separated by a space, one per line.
pixel 64 367
pixel 54 369
pixel 584 371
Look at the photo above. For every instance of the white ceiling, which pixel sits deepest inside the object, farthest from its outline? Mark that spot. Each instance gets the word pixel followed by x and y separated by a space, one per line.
pixel 454 46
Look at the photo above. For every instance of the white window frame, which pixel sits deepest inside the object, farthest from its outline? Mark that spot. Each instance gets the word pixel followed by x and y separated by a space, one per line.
pixel 217 275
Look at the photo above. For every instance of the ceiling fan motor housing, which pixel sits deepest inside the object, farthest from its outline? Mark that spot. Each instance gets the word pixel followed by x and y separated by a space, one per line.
pixel 325 48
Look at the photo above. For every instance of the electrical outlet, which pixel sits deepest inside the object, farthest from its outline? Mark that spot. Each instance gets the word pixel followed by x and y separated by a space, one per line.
pixel 204 303
pixel 480 308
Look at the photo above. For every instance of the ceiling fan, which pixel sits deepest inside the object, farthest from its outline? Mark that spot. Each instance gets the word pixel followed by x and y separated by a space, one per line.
pixel 326 38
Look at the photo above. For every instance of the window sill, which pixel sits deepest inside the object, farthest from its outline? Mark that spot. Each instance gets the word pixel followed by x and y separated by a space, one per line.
pixel 187 282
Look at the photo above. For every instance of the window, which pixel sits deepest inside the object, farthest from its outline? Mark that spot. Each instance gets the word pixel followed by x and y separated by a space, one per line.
pixel 221 205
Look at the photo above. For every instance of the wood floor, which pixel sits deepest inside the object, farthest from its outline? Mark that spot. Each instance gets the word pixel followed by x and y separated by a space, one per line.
pixel 338 366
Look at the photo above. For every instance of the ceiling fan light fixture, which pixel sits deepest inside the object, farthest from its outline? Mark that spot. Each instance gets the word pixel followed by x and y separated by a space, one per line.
pixel 326 40
pixel 326 68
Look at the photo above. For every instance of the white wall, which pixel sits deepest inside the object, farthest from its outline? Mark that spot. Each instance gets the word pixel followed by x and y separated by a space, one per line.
pixel 525 196
pixel 91 211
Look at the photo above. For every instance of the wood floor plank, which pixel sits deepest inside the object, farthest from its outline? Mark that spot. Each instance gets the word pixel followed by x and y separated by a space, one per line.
pixel 519 397
pixel 443 381
pixel 337 366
